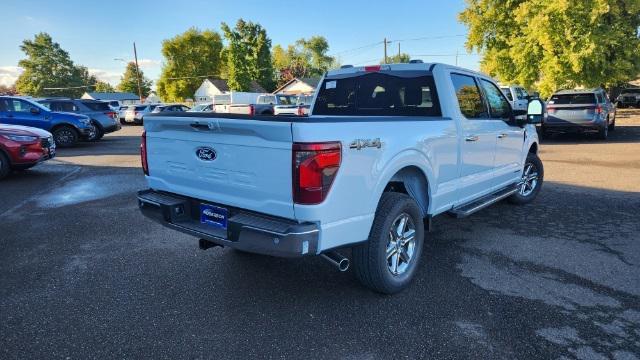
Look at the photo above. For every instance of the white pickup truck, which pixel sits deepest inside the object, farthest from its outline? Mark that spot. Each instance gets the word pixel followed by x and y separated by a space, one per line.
pixel 385 149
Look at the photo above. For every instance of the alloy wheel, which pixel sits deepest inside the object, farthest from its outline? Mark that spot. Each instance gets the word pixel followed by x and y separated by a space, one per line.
pixel 529 180
pixel 401 246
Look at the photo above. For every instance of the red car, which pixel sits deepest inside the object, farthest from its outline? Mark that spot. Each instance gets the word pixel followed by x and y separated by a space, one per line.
pixel 22 147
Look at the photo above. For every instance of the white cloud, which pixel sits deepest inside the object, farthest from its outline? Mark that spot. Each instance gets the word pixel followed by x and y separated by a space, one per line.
pixel 111 77
pixel 9 74
pixel 148 63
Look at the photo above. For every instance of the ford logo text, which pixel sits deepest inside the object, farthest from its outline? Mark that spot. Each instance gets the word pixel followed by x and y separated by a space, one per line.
pixel 206 153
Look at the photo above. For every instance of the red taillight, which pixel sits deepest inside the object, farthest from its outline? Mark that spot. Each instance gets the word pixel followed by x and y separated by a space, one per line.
pixel 551 109
pixel 252 110
pixel 372 68
pixel 143 153
pixel 599 109
pixel 300 111
pixel 110 114
pixel 315 165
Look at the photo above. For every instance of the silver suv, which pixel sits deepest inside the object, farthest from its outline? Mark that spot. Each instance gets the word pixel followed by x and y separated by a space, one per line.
pixel 580 110
pixel 103 118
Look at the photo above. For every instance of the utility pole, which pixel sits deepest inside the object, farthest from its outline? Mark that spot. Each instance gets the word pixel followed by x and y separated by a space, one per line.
pixel 385 50
pixel 135 56
pixel 456 57
pixel 398 50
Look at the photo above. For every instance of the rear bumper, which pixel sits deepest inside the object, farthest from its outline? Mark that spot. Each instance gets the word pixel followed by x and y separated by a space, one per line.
pixel 247 231
pixel 572 125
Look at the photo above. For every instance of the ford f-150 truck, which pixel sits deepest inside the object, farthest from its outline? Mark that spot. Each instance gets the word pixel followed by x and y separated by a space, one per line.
pixel 385 149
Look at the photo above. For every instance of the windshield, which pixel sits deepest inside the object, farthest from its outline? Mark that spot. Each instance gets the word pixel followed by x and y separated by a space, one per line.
pixel 286 100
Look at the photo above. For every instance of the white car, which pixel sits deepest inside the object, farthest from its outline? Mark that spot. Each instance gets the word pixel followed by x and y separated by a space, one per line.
pixel 135 113
pixel 384 150
pixel 517 96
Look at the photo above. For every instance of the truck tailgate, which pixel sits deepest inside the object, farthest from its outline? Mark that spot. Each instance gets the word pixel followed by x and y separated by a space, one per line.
pixel 235 162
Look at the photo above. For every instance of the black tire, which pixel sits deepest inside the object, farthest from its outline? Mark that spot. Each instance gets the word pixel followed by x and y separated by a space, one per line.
pixel 522 197
pixel 122 122
pixel 603 133
pixel 371 261
pixel 65 136
pixel 5 166
pixel 97 134
pixel 612 125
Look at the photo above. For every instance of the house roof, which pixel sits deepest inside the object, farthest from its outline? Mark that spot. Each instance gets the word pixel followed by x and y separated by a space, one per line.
pixel 312 82
pixel 113 96
pixel 223 86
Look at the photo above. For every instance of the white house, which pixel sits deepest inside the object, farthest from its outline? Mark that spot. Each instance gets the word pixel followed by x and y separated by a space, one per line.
pixel 122 97
pixel 297 86
pixel 211 87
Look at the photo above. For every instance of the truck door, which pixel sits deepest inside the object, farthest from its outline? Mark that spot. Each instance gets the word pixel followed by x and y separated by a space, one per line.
pixel 478 143
pixel 509 138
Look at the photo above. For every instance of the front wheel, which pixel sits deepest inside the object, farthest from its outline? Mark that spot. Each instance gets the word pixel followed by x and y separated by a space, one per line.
pixel 530 182
pixel 65 136
pixel 388 261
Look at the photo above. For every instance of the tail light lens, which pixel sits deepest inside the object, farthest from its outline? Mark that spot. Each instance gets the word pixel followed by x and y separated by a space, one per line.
pixel 315 166
pixel 252 110
pixel 551 109
pixel 300 111
pixel 110 114
pixel 143 153
pixel 599 109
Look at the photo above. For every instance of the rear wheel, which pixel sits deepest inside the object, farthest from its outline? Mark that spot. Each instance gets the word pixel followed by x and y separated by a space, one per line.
pixel 603 133
pixel 530 182
pixel 388 261
pixel 96 134
pixel 65 136
pixel 612 125
pixel 5 166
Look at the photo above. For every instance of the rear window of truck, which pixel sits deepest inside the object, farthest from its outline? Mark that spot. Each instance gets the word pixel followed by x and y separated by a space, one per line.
pixel 378 94
pixel 567 99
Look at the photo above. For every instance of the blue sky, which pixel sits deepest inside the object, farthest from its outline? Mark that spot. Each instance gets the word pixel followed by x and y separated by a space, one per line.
pixel 96 33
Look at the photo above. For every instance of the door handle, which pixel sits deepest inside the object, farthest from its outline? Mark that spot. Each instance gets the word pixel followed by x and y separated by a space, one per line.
pixel 502 136
pixel 471 138
pixel 200 126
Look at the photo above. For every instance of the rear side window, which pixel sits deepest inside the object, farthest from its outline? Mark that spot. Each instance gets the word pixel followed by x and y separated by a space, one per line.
pixel 378 94
pixel 469 98
pixel 498 105
pixel 64 106
pixel 567 99
pixel 97 106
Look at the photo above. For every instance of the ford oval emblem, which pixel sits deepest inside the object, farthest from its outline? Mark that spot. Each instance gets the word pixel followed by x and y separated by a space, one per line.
pixel 206 153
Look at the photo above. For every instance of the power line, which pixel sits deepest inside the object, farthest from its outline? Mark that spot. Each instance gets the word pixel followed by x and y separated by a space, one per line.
pixel 429 38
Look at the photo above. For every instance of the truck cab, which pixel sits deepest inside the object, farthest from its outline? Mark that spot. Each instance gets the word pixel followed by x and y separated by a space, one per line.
pixel 384 150
pixel 518 97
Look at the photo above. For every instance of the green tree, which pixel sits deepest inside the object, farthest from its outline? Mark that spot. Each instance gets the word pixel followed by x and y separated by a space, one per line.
pixel 129 81
pixel 48 66
pixel 305 58
pixel 397 59
pixel 104 87
pixel 553 44
pixel 248 56
pixel 189 57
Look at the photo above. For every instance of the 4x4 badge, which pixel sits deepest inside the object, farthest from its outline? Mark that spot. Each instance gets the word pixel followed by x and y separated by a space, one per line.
pixel 365 143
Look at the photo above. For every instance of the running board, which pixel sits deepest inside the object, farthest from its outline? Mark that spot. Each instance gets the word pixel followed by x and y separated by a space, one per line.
pixel 469 208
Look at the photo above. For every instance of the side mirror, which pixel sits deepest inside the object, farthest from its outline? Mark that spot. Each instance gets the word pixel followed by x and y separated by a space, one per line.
pixel 535 111
pixel 34 111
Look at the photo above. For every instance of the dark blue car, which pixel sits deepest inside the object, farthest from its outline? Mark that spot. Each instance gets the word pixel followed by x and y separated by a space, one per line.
pixel 67 128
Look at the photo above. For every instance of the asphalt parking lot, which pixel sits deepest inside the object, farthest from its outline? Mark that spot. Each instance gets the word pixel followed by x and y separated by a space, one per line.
pixel 84 275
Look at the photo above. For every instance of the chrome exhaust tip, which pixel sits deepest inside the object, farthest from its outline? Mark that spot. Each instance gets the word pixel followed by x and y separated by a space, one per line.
pixel 337 260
